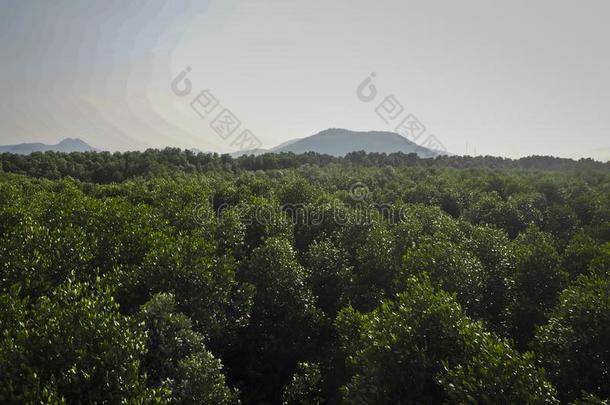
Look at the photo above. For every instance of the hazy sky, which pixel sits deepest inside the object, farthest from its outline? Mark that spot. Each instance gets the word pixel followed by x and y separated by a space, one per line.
pixel 510 78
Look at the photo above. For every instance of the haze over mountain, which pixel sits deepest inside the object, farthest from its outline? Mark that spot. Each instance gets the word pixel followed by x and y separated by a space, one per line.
pixel 67 145
pixel 339 142
pixel 333 141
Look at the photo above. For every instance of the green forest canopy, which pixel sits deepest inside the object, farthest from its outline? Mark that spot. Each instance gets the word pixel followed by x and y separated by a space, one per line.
pixel 169 277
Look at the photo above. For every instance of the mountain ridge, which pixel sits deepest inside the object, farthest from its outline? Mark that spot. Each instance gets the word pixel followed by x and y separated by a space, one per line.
pixel 66 145
pixel 333 141
pixel 339 142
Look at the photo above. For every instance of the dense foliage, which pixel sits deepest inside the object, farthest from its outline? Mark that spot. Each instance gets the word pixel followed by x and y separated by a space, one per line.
pixel 169 277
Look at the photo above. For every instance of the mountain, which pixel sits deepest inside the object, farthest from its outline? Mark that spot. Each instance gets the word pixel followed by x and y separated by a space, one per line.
pixel 67 145
pixel 284 144
pixel 339 142
pixel 261 151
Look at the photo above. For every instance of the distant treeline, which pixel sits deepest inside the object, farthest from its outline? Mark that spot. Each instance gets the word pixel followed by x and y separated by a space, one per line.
pixel 106 167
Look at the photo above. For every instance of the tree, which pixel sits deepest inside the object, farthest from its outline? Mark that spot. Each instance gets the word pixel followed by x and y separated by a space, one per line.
pixel 574 346
pixel 491 209
pixel 451 268
pixel 537 283
pixel 204 285
pixel 283 323
pixel 600 264
pixel 305 387
pixel 496 373
pixel 328 275
pixel 578 254
pixel 496 254
pixel 71 346
pixel 199 380
pixel 421 348
pixel 177 359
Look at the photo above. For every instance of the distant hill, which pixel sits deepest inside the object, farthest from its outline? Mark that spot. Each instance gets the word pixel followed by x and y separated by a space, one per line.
pixel 67 145
pixel 339 142
pixel 261 151
pixel 197 151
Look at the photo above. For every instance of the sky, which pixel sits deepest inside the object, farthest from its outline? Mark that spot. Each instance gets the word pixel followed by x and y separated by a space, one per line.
pixel 504 78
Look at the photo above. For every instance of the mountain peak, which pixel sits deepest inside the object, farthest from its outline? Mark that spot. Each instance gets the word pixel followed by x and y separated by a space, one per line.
pixel 340 141
pixel 74 142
